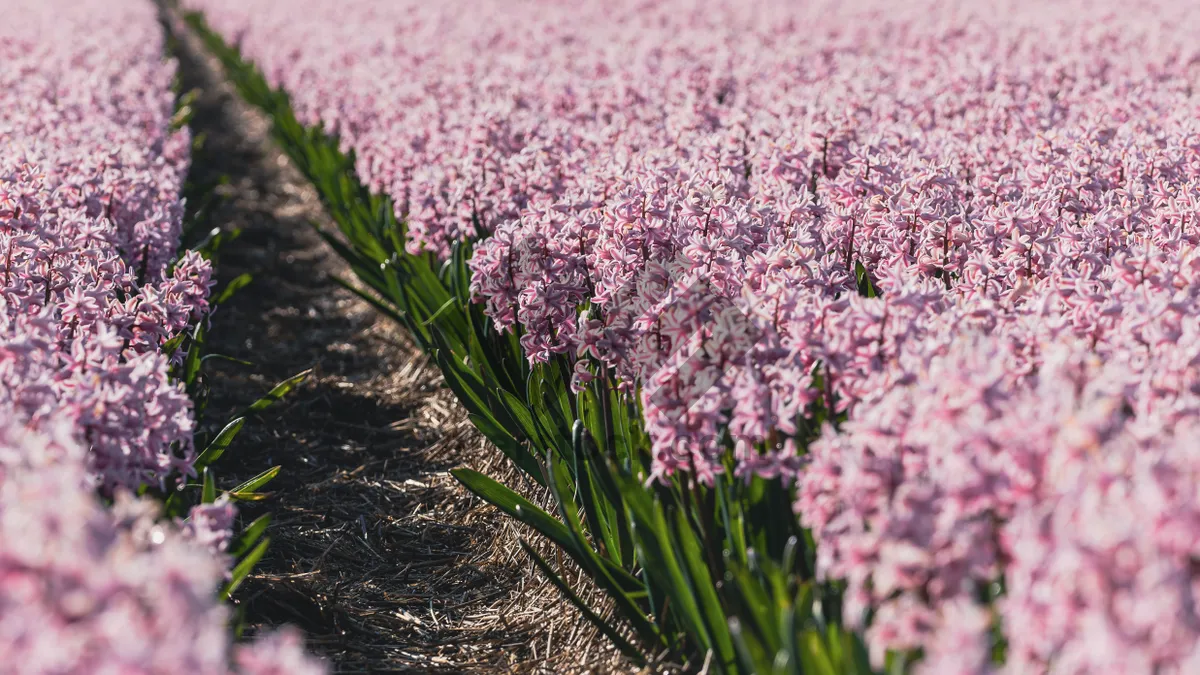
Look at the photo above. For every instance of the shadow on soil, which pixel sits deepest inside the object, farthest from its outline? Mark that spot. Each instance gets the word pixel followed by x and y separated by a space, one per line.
pixel 376 553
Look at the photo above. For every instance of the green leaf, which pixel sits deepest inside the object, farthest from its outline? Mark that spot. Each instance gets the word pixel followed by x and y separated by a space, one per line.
pixel 236 284
pixel 662 566
pixel 244 567
pixel 278 392
pixel 446 306
pixel 695 569
pixel 191 362
pixel 603 473
pixel 250 536
pixel 600 515
pixel 605 627
pixel 866 287
pixel 364 268
pixel 220 444
pixel 813 654
pixel 248 491
pixel 554 428
pixel 622 587
pixel 511 447
pixel 525 511
pixel 171 346
pixel 208 493
pixel 523 416
pixel 223 357
pixel 174 505
pixel 470 390
pixel 758 609
pixel 516 506
pixel 752 654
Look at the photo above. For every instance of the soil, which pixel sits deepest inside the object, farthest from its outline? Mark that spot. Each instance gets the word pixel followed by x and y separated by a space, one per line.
pixel 376 553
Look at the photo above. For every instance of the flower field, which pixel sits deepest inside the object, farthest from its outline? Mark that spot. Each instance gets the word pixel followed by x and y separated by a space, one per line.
pixel 92 578
pixel 932 263
pixel 839 337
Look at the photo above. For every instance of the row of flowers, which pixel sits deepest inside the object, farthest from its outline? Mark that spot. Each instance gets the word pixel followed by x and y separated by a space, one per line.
pixel 967 230
pixel 92 578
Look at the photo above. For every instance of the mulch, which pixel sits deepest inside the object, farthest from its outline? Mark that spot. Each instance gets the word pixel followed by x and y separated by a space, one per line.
pixel 376 553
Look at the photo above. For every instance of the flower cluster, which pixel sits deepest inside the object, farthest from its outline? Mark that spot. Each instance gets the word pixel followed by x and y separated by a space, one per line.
pixel 1031 457
pixel 90 219
pixel 90 589
pixel 211 525
pixel 702 196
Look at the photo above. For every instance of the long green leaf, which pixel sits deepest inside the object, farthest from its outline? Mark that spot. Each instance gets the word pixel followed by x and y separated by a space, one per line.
pixel 208 491
pixel 244 567
pixel 220 444
pixel 247 491
pixel 278 392
pixel 236 284
pixel 605 627
pixel 250 535
pixel 516 506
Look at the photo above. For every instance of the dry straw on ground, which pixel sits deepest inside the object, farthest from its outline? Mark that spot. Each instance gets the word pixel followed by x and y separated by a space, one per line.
pixel 377 554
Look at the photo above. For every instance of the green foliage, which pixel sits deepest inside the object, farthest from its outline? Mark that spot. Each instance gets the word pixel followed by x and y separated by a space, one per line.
pixel 717 577
pixel 244 566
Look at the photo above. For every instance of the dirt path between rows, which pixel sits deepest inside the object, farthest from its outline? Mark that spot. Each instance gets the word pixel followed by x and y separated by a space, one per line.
pixel 376 553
